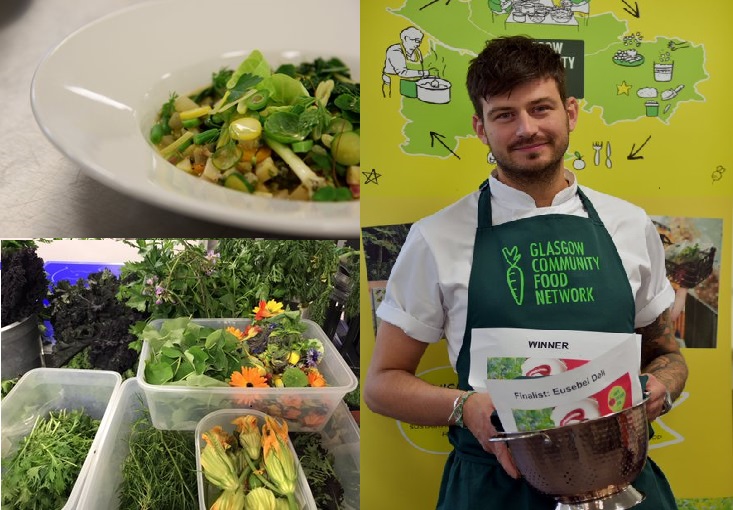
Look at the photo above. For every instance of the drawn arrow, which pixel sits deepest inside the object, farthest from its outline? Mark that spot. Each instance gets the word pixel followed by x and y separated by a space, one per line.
pixel 437 136
pixel 634 11
pixel 431 3
pixel 633 154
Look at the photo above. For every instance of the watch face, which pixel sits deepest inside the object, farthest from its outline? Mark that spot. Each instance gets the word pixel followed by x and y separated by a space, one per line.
pixel 667 406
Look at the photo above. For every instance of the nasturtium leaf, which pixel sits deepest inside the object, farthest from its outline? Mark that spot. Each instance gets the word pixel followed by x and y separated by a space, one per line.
pixel 158 373
pixel 203 381
pixel 170 351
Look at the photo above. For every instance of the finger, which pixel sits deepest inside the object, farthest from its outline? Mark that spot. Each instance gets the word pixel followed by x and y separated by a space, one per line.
pixel 505 459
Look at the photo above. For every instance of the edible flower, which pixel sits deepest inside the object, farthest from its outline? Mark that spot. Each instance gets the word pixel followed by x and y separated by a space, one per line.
pixel 249 435
pixel 315 378
pixel 278 456
pixel 260 498
pixel 236 332
pixel 217 465
pixel 267 309
pixel 251 331
pixel 248 378
pixel 230 500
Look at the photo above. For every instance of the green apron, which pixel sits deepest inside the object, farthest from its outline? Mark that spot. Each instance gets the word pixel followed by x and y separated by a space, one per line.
pixel 504 256
pixel 408 86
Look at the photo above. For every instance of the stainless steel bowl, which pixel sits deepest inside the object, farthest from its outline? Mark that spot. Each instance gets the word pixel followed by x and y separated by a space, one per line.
pixel 587 465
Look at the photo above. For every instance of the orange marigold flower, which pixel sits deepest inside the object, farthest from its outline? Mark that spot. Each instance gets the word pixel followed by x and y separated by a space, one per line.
pixel 248 378
pixel 315 378
pixel 236 332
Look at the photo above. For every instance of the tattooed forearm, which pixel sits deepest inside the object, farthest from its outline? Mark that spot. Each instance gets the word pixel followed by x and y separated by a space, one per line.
pixel 661 356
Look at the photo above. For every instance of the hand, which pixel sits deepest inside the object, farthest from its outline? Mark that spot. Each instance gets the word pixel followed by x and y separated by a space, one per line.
pixel 657 393
pixel 477 418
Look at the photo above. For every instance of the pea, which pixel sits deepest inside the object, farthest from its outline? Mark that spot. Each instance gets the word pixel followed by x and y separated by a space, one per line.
pixel 156 134
pixel 246 128
pixel 345 148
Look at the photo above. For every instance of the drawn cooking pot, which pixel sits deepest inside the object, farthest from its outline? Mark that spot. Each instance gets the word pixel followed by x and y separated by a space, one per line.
pixel 588 465
pixel 433 90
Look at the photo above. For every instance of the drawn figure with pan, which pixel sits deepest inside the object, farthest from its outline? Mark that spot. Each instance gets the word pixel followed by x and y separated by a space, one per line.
pixel 404 59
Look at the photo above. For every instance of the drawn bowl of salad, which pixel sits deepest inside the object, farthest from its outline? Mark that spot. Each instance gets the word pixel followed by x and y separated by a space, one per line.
pixel 114 75
pixel 628 58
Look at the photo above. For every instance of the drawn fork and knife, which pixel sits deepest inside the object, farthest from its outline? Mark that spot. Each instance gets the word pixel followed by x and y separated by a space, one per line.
pixel 597 147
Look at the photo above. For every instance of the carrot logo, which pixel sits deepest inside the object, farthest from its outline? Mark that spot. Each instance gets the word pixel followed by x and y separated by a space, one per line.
pixel 514 274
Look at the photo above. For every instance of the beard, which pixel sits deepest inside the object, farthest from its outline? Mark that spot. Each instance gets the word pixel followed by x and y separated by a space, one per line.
pixel 534 168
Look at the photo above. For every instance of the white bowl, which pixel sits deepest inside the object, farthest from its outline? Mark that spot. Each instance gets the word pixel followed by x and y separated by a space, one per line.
pixel 96 95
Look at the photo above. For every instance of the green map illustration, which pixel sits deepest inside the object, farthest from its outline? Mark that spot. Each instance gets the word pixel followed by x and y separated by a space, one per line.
pixel 626 75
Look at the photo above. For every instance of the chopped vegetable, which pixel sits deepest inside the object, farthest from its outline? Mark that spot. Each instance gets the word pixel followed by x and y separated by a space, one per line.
pixel 307 114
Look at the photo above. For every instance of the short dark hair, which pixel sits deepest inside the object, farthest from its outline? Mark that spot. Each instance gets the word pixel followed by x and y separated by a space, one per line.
pixel 507 62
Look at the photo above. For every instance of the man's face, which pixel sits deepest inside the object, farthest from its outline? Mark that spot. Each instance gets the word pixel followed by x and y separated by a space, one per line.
pixel 528 129
pixel 412 43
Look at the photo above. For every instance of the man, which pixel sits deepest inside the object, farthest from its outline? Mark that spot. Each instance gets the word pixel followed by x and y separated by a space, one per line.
pixel 451 277
pixel 404 59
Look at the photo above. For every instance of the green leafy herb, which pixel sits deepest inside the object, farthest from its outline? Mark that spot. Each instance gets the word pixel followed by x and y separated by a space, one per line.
pixel 160 469
pixel 44 469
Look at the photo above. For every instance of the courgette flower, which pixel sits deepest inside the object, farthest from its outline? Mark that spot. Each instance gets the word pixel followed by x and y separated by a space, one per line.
pixel 260 498
pixel 216 464
pixel 249 435
pixel 230 500
pixel 281 504
pixel 280 461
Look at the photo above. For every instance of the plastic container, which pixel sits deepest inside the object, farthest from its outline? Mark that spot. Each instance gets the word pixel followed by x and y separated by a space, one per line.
pixel 308 409
pixel 100 490
pixel 340 436
pixel 223 418
pixel 43 390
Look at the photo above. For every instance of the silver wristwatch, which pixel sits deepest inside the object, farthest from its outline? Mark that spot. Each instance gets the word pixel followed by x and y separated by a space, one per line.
pixel 667 405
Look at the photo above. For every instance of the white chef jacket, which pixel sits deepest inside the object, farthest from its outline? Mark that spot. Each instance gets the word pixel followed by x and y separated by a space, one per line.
pixel 427 291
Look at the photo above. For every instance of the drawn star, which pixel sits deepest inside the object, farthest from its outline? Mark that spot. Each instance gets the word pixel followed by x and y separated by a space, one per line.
pixel 372 176
pixel 623 88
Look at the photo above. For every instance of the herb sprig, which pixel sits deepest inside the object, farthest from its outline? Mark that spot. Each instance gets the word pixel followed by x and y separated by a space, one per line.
pixel 159 470
pixel 42 473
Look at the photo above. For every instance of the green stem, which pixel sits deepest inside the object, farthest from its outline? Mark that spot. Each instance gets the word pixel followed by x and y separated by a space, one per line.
pixel 292 502
pixel 265 481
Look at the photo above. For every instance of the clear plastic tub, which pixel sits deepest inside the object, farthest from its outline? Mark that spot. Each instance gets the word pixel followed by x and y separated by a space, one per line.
pixel 105 475
pixel 42 390
pixel 340 436
pixel 307 409
pixel 223 418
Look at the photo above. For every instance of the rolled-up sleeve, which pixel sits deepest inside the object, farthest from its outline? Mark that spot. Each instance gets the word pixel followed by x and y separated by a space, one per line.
pixel 656 293
pixel 413 299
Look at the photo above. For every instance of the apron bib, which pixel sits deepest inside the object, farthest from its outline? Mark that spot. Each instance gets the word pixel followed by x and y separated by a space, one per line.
pixel 545 272
pixel 408 86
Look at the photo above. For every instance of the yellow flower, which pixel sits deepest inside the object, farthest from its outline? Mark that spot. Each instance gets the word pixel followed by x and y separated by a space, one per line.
pixel 249 435
pixel 279 460
pixel 293 358
pixel 216 464
pixel 248 378
pixel 260 498
pixel 278 381
pixel 230 500
pixel 267 309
